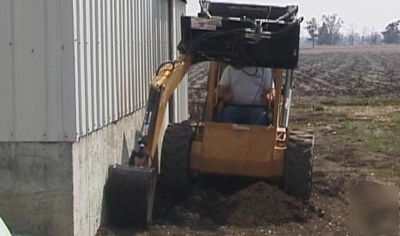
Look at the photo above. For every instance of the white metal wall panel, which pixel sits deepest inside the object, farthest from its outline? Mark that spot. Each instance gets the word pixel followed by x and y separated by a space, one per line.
pixel 118 46
pixel 6 71
pixel 181 100
pixel 69 67
pixel 36 83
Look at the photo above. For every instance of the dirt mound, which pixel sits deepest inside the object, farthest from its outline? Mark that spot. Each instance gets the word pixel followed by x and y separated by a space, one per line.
pixel 263 204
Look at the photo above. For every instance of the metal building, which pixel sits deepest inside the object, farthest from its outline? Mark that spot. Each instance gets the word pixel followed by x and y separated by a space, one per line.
pixel 74 76
pixel 71 67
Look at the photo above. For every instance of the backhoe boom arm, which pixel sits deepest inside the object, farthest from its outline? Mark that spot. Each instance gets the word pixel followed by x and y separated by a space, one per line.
pixel 166 80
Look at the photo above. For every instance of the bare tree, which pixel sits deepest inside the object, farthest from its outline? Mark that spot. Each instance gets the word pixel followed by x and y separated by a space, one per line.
pixel 374 37
pixel 364 35
pixel 329 33
pixel 312 27
pixel 352 34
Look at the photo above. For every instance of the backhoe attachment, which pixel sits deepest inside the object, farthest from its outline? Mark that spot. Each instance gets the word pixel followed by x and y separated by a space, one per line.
pixel 131 188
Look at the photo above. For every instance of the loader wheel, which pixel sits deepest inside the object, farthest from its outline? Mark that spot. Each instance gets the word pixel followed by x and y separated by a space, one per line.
pixel 175 156
pixel 297 176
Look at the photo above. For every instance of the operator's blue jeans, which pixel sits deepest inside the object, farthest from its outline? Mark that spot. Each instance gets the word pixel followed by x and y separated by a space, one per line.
pixel 252 115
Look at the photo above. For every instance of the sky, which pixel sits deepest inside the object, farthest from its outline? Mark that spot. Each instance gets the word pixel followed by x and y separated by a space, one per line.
pixel 369 15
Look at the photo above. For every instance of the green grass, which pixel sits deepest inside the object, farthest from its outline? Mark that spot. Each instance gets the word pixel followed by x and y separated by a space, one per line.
pixel 361 101
pixel 372 134
pixel 383 173
pixel 382 137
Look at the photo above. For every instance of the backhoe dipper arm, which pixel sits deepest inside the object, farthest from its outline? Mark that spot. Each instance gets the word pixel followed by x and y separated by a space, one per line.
pixel 166 80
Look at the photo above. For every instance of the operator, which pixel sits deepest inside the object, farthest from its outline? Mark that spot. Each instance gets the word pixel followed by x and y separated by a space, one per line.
pixel 247 93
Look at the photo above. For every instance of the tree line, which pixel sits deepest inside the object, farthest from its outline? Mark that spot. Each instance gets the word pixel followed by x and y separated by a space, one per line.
pixel 328 33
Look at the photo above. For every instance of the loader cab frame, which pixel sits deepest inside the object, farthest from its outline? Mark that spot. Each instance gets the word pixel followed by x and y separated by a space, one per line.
pixel 234 149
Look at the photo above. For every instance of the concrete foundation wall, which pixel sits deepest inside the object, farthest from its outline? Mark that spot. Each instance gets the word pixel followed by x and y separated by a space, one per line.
pixel 36 187
pixel 57 188
pixel 92 155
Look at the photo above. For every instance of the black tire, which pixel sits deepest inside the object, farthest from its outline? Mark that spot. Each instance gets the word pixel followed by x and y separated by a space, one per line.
pixel 297 176
pixel 175 157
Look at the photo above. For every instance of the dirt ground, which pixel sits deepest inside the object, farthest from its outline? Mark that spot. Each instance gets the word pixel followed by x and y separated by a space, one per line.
pixel 350 98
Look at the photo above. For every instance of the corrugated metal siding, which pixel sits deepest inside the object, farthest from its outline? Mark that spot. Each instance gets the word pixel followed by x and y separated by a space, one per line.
pixel 36 61
pixel 182 112
pixel 69 67
pixel 118 46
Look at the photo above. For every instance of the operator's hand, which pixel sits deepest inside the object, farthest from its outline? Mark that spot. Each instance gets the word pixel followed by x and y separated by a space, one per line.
pixel 228 97
pixel 270 97
pixel 226 94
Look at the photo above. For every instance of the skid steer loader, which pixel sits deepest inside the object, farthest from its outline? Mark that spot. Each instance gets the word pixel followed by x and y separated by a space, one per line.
pixel 223 33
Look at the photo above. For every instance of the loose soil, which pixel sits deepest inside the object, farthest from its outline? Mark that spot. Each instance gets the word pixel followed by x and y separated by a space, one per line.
pixel 262 204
